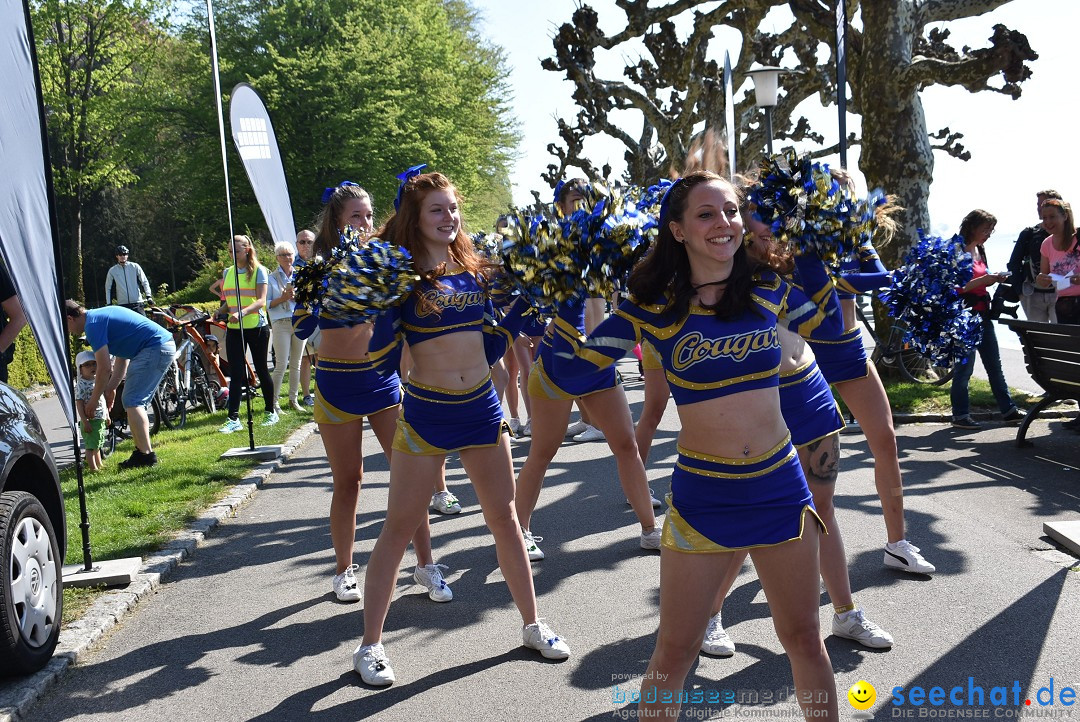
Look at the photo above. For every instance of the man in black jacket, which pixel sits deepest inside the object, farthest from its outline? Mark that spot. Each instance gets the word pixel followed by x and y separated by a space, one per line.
pixel 1038 303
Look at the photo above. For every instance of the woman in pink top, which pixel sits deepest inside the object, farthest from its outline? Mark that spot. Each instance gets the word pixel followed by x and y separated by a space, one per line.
pixel 1061 257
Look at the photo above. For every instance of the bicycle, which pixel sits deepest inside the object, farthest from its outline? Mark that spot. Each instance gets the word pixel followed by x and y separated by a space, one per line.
pixel 914 365
pixel 187 383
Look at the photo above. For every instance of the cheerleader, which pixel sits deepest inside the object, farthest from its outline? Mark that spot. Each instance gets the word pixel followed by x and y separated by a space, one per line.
pixel 814 421
pixel 844 364
pixel 450 405
pixel 356 377
pixel 737 485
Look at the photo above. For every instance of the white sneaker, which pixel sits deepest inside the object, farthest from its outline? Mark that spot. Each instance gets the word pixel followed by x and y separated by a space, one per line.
pixel 371 664
pixel 904 555
pixel 717 642
pixel 539 636
pixel 535 554
pixel 651 540
pixel 515 425
pixel 591 433
pixel 431 578
pixel 230 426
pixel 345 586
pixel 526 430
pixel 574 429
pixel 854 625
pixel 445 502
pixel 652 497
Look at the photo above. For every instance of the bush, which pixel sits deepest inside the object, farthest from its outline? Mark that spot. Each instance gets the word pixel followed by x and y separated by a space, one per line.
pixel 28 366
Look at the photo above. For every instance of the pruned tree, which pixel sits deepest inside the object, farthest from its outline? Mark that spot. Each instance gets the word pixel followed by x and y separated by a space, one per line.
pixel 676 85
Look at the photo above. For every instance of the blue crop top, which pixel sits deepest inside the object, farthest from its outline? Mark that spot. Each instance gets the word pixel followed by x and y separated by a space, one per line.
pixel 860 272
pixel 705 357
pixel 461 304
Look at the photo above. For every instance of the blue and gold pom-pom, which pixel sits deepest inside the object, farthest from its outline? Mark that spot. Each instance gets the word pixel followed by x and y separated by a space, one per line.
pixel 808 208
pixel 609 227
pixel 543 262
pixel 924 296
pixel 359 280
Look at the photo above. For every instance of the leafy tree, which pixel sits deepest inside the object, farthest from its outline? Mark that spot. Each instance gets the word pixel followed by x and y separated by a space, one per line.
pixel 96 59
pixel 676 85
pixel 362 89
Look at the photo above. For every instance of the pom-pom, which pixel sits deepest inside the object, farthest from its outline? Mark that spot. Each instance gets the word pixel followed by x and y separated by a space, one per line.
pixel 809 209
pixel 546 265
pixel 359 280
pixel 609 228
pixel 924 297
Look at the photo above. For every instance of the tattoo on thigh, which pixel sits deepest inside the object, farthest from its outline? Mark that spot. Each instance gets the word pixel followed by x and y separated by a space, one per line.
pixel 824 457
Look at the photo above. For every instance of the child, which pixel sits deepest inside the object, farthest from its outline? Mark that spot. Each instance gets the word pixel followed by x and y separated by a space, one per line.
pixel 93 420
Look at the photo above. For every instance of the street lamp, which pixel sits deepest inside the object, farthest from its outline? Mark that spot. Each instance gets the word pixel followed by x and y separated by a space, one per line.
pixel 766 80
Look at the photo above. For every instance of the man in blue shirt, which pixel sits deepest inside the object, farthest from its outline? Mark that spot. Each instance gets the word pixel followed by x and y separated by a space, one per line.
pixel 142 349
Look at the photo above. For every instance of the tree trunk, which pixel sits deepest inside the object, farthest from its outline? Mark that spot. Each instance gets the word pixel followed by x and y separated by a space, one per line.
pixel 896 153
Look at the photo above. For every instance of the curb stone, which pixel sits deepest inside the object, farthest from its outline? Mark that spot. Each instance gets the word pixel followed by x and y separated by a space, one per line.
pixel 158 566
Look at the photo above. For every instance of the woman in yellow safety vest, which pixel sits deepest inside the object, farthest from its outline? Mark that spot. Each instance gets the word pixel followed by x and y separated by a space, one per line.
pixel 246 311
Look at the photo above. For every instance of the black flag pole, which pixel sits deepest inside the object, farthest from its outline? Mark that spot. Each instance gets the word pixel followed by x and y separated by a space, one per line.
pixel 236 365
pixel 841 76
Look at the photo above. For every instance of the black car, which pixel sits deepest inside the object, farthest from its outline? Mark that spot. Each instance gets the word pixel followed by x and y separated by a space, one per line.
pixel 33 540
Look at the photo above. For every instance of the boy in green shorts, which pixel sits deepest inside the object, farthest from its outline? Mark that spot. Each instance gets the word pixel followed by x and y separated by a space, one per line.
pixel 93 420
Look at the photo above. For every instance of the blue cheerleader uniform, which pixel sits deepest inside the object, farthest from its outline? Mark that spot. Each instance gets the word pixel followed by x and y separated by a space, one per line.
pixel 844 358
pixel 436 421
pixel 720 504
pixel 808 406
pixel 544 384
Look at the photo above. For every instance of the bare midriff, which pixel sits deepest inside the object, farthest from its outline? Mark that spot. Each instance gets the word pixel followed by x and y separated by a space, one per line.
pixel 745 424
pixel 455 361
pixel 346 343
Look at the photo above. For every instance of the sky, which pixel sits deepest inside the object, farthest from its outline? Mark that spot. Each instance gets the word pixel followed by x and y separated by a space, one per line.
pixel 1018 147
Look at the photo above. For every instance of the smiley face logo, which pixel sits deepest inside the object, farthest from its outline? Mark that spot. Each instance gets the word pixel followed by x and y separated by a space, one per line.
pixel 862 695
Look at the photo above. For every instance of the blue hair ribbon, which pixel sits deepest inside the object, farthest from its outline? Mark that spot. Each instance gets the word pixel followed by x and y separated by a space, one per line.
pixel 328 193
pixel 558 190
pixel 665 202
pixel 404 178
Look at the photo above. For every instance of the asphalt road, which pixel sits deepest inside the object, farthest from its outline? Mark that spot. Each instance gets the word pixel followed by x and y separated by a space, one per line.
pixel 249 629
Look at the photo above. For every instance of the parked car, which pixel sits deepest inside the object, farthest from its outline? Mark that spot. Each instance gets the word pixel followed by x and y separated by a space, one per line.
pixel 33 540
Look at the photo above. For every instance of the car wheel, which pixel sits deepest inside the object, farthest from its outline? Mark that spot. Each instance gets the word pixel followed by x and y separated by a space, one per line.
pixel 31 589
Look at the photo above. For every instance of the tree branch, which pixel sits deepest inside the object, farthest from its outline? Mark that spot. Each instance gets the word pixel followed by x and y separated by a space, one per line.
pixel 935 11
pixel 1006 56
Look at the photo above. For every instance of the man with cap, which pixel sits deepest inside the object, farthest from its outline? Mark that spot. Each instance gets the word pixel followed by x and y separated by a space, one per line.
pixel 125 343
pixel 129 281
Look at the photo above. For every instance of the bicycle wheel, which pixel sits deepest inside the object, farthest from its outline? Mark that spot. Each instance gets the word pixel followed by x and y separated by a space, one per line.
pixel 108 441
pixel 202 392
pixel 154 414
pixel 172 398
pixel 918 367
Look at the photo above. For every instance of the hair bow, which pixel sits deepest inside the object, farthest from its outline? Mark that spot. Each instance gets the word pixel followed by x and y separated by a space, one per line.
pixel 558 190
pixel 328 193
pixel 404 178
pixel 665 202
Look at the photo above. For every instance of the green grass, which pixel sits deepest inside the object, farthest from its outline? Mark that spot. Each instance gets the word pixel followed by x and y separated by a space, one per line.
pixel 912 398
pixel 135 512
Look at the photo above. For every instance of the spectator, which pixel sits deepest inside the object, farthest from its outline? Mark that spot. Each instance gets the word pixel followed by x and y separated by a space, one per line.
pixel 305 244
pixel 92 418
pixel 288 348
pixel 127 277
pixel 1061 259
pixel 142 350
pixel 976 229
pixel 12 320
pixel 247 328
pixel 1024 265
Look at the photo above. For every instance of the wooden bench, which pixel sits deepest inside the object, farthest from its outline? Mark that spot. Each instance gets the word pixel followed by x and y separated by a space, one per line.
pixel 1052 355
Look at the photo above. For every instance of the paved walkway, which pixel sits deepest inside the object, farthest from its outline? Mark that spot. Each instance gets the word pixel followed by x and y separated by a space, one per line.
pixel 248 628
